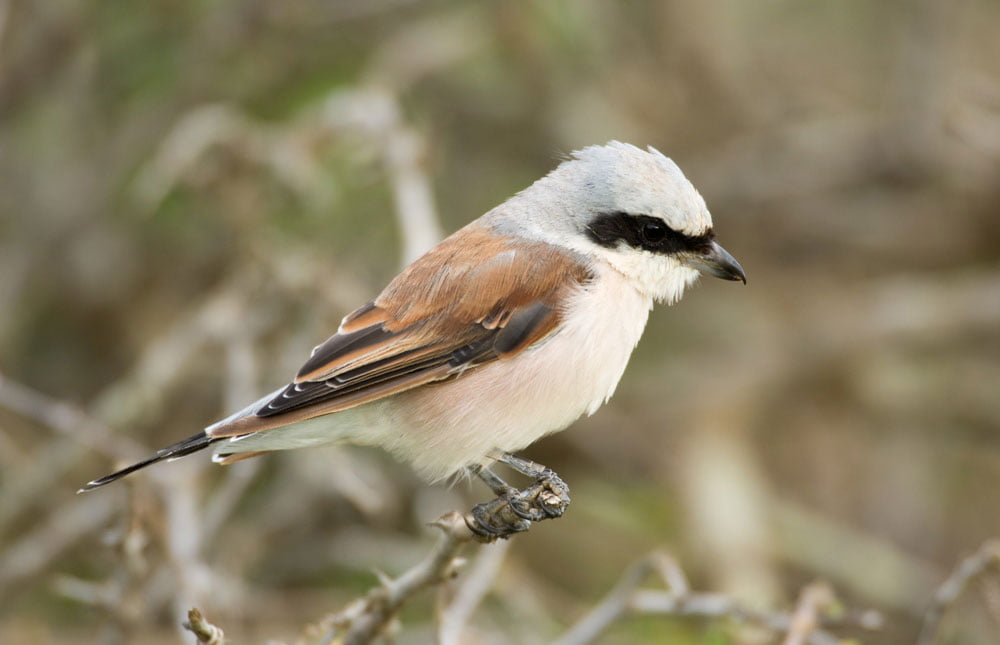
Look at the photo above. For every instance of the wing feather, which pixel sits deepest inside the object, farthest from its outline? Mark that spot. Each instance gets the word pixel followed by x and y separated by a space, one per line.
pixel 475 298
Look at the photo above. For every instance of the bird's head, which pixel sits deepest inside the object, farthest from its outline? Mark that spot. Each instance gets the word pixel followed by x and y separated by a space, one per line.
pixel 635 210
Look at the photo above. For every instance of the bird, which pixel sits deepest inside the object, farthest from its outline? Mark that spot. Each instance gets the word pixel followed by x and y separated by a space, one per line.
pixel 507 331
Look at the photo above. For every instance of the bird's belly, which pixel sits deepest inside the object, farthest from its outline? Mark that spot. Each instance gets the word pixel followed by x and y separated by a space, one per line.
pixel 508 404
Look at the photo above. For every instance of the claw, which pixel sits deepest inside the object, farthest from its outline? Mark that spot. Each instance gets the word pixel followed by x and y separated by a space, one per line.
pixel 513 511
pixel 554 498
pixel 494 520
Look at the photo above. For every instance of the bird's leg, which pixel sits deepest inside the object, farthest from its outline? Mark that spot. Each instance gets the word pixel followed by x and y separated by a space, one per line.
pixel 491 479
pixel 513 510
pixel 527 467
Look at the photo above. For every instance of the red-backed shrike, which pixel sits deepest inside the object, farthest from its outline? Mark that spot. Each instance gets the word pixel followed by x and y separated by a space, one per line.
pixel 508 330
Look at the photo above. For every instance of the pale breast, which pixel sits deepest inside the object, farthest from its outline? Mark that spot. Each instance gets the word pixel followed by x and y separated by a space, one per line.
pixel 509 404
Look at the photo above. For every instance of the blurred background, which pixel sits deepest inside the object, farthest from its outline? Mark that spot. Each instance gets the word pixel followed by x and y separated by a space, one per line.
pixel 192 194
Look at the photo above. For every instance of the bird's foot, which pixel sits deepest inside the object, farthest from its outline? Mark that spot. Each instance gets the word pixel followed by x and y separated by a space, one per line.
pixel 514 510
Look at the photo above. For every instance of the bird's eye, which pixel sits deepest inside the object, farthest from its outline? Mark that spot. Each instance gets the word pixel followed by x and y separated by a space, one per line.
pixel 654 231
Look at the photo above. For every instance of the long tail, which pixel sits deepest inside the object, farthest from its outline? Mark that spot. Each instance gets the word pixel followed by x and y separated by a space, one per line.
pixel 192 444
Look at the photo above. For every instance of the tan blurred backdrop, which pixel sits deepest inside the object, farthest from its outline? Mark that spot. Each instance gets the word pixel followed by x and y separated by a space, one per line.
pixel 193 193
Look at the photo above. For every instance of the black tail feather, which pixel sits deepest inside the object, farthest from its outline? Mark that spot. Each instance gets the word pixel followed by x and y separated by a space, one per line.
pixel 192 444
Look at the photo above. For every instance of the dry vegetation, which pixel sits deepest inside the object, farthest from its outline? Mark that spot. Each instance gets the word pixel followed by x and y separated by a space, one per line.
pixel 193 193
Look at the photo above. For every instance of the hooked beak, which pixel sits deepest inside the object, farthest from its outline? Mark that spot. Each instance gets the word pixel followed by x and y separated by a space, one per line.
pixel 717 262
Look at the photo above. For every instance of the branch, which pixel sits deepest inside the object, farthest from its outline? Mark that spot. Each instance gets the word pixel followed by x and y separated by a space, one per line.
pixel 615 605
pixel 987 556
pixel 815 600
pixel 366 618
pixel 678 600
pixel 203 630
pixel 120 596
pixel 63 528
pixel 477 582
pixel 67 419
pixel 376 113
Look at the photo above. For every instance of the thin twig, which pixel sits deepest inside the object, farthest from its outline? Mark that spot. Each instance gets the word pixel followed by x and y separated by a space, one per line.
pixel 73 429
pixel 67 419
pixel 813 601
pixel 614 606
pixel 205 631
pixel 376 113
pixel 678 600
pixel 119 598
pixel 241 383
pixel 366 618
pixel 991 597
pixel 469 594
pixel 987 556
pixel 63 529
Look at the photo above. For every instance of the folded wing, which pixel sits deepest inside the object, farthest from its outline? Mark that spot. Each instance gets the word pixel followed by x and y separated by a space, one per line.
pixel 475 298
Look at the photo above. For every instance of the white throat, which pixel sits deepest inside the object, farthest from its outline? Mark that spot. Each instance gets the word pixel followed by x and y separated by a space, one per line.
pixel 658 277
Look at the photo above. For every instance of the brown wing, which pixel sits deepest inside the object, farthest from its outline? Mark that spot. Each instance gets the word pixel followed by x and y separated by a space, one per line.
pixel 474 298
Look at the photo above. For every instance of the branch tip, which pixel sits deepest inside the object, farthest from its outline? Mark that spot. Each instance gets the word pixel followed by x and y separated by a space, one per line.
pixel 203 630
